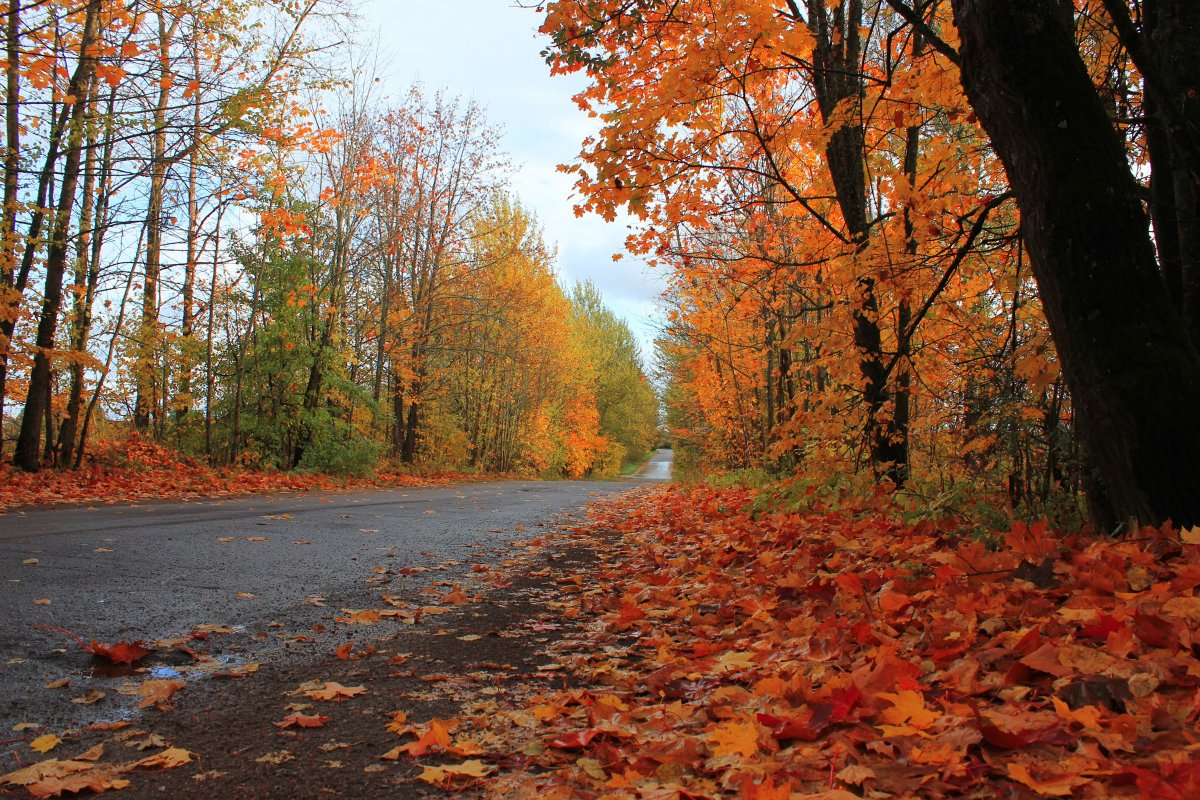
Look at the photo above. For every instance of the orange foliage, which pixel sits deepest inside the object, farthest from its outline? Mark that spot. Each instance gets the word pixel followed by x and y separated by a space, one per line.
pixel 136 468
pixel 841 650
pixel 712 138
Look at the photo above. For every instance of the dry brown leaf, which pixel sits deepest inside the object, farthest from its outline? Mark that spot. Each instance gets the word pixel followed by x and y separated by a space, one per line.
pixel 158 693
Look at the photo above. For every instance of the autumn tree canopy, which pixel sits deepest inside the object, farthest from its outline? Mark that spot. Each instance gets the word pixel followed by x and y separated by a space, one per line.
pixel 213 236
pixel 857 285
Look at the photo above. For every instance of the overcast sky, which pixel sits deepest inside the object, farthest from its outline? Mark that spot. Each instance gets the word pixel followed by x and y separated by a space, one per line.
pixel 488 50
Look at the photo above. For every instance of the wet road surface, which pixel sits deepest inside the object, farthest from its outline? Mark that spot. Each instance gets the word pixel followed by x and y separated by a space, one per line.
pixel 658 468
pixel 157 570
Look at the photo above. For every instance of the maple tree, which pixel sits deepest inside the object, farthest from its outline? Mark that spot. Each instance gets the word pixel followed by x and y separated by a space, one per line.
pixel 848 268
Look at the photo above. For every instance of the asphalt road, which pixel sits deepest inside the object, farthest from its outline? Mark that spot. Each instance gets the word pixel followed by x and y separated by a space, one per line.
pixel 157 570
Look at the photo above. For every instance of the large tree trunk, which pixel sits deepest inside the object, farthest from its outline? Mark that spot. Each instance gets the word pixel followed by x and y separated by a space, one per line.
pixel 1132 369
pixel 1173 31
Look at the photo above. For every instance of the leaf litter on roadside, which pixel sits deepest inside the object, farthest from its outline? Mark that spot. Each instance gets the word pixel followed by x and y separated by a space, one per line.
pixel 842 652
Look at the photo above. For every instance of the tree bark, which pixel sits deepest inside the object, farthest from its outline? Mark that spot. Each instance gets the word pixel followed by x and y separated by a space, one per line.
pixel 1131 367
pixel 86 281
pixel 12 174
pixel 28 453
pixel 837 78
pixel 1173 30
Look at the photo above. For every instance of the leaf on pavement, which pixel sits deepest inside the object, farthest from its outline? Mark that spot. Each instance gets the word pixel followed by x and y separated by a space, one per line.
pixel 332 690
pixel 158 693
pixel 45 743
pixel 298 720
pixel 52 778
pixel 168 759
pixel 91 698
pixel 449 774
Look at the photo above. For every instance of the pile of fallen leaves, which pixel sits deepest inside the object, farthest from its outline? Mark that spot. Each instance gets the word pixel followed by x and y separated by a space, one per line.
pixel 137 468
pixel 844 654
pixel 87 771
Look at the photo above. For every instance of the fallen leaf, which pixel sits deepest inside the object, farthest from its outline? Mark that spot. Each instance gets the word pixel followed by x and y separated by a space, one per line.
pixel 52 778
pixel 224 538
pixel 42 602
pixel 1060 785
pixel 58 684
pixel 449 774
pixel 455 597
pixel 299 720
pixel 116 725
pixel 435 734
pixel 279 757
pixel 573 740
pixel 170 758
pixel 256 539
pixel 237 672
pixel 246 595
pixel 45 743
pixel 734 738
pixel 332 690
pixel 158 693
pixel 91 698
pixel 92 753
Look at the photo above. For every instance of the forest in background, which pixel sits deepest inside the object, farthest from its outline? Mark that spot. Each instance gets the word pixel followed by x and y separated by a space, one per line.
pixel 213 238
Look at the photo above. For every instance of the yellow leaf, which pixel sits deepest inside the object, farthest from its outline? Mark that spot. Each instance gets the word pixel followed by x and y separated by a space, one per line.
pixel 168 759
pixel 44 744
pixel 734 738
pixel 1191 535
pixel 449 773
pixel 908 707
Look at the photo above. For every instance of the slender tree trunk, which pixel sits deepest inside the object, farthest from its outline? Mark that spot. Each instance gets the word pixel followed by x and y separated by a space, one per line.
pixel 210 373
pixel 86 279
pixel 148 389
pixel 12 174
pixel 1132 370
pixel 837 77
pixel 183 403
pixel 27 454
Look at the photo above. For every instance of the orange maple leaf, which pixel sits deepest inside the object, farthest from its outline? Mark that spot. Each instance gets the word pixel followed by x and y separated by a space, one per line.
pixel 299 720
pixel 333 690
